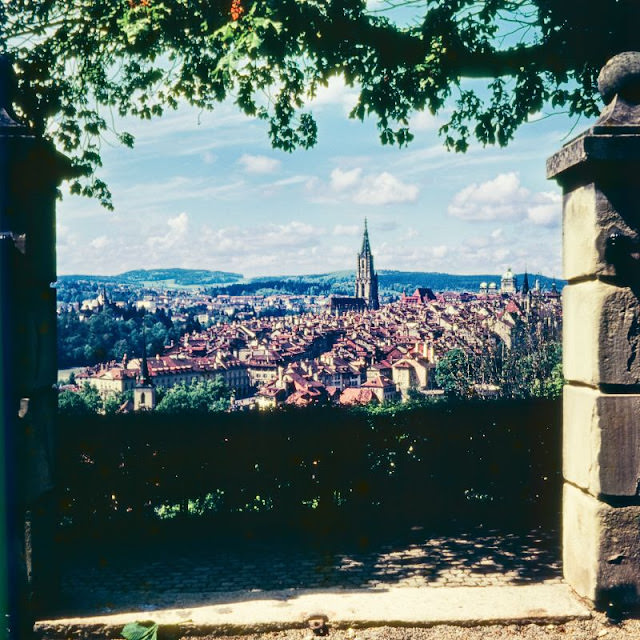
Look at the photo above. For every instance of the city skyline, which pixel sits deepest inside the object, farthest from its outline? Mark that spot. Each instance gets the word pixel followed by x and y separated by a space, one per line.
pixel 205 190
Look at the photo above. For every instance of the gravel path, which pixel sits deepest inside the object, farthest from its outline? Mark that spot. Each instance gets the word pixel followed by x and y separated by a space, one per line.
pixel 593 629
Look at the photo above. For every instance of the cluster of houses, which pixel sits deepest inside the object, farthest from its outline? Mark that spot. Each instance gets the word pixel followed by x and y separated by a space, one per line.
pixel 355 357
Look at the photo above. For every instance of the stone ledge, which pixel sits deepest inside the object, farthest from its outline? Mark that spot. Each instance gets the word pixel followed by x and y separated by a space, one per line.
pixel 622 145
pixel 273 611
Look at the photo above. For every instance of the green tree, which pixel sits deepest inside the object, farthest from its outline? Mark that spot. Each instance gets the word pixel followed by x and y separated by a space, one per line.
pixel 454 373
pixel 91 397
pixel 80 61
pixel 82 402
pixel 114 401
pixel 531 367
pixel 72 404
pixel 207 396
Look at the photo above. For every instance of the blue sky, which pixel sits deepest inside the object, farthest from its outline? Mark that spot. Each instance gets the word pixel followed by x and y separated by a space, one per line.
pixel 205 190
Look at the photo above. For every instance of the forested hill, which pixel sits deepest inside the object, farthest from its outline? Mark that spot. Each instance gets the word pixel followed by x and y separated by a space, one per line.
pixel 409 280
pixel 168 277
pixel 337 282
pixel 343 281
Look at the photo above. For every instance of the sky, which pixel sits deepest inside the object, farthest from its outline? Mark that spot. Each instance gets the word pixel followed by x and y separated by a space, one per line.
pixel 205 190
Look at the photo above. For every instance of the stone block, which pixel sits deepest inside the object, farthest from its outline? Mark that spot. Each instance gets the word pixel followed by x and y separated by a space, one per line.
pixel 580 541
pixel 602 336
pixel 601 441
pixel 601 548
pixel 591 213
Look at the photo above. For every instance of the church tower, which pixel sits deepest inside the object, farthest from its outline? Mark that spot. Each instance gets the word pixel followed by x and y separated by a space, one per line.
pixel 366 277
pixel 525 284
pixel 144 393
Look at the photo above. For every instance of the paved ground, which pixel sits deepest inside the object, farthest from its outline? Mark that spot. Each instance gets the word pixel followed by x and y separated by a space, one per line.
pixel 103 580
pixel 335 609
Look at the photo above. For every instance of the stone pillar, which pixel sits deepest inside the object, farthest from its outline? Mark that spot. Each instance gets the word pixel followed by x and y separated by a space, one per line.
pixel 599 172
pixel 30 171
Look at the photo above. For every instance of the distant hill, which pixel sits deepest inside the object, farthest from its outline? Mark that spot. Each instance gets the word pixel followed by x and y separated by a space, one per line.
pixel 337 282
pixel 175 277
pixel 408 280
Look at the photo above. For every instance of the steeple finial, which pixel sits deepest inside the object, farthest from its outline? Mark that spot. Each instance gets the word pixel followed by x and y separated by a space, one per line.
pixel 366 248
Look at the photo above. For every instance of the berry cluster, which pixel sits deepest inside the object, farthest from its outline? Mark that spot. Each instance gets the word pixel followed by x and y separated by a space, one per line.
pixel 236 9
pixel 138 3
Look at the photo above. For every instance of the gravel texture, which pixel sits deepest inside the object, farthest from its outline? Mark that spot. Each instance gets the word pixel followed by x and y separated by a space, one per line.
pixel 597 627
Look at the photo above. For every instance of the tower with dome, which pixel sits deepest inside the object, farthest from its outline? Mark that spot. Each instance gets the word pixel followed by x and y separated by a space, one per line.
pixel 508 282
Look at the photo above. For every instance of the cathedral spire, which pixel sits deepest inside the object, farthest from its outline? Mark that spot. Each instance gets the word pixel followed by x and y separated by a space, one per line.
pixel 366 248
pixel 366 277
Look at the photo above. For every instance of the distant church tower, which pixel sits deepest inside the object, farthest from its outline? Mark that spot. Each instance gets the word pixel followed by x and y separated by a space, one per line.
pixel 366 277
pixel 525 284
pixel 144 393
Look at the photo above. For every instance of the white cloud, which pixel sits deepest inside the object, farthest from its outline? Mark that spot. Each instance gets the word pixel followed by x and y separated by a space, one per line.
pixel 100 242
pixel 410 233
pixel 346 230
pixel 504 198
pixel 335 93
pixel 499 198
pixel 259 164
pixel 423 121
pixel 385 188
pixel 341 180
pixel 178 231
pixel 291 180
pixel 291 247
pixel 548 212
pixel 353 185
pixel 179 224
pixel 243 241
pixel 440 251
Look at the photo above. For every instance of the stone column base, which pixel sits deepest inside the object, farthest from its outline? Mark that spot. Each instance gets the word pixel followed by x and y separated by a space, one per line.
pixel 601 548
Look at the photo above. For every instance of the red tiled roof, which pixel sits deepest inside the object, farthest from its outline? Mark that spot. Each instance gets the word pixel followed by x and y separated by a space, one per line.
pixel 357 396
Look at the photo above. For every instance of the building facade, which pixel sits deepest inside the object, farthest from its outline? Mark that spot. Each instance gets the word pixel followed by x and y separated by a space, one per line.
pixel 509 282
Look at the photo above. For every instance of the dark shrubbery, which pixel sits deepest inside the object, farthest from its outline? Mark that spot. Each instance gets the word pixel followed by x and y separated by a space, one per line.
pixel 471 461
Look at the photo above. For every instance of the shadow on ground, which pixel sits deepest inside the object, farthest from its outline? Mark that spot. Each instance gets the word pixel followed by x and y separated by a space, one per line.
pixel 143 576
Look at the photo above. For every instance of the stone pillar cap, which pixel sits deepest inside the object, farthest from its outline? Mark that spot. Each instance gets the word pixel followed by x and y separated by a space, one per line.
pixel 621 76
pixel 614 139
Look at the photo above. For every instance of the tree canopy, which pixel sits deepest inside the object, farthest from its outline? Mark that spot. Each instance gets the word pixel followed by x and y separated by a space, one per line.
pixel 205 396
pixel 81 62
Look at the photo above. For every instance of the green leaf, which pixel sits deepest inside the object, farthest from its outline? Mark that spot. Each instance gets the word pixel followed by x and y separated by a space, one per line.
pixel 137 631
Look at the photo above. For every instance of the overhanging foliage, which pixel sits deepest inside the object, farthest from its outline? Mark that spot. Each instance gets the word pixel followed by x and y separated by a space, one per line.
pixel 80 62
